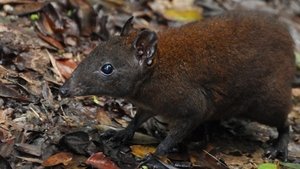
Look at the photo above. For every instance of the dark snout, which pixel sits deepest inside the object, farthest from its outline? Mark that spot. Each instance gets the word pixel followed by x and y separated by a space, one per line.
pixel 64 90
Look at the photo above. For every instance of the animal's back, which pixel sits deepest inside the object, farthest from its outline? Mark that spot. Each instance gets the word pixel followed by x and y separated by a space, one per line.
pixel 239 58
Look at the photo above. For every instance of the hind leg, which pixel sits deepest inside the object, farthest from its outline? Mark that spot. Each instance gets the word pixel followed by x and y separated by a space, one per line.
pixel 280 108
pixel 272 108
pixel 280 144
pixel 279 148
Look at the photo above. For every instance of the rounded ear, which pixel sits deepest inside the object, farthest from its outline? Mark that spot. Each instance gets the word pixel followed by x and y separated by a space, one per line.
pixel 127 27
pixel 146 46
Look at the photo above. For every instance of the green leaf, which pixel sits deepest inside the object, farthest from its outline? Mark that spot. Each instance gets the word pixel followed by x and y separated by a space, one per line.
pixel 71 12
pixel 291 165
pixel 144 167
pixel 95 100
pixel 34 17
pixel 267 166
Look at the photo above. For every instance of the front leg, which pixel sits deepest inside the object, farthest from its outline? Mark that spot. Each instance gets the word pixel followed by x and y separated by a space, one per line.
pixel 126 134
pixel 180 129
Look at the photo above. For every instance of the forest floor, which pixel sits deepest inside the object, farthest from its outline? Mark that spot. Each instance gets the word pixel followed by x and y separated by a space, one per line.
pixel 41 43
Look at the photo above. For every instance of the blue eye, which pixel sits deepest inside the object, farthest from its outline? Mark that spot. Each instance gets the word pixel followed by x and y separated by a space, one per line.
pixel 107 69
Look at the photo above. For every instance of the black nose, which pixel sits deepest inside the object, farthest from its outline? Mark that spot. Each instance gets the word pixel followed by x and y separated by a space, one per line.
pixel 64 91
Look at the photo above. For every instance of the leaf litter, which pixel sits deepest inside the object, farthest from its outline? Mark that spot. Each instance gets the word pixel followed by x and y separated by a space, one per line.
pixel 42 43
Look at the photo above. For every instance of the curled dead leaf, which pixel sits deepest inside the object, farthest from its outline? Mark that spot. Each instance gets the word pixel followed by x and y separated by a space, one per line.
pixel 103 117
pixel 8 92
pixel 66 67
pixel 100 161
pixel 51 41
pixel 141 151
pixel 26 8
pixel 59 158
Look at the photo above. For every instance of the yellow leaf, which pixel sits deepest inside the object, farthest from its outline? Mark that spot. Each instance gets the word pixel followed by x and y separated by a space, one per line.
pixel 141 151
pixel 185 15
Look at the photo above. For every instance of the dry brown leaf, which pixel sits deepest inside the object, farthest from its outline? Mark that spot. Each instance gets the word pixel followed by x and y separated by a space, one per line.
pixel 116 2
pixel 30 159
pixel 100 161
pixel 103 118
pixel 5 117
pixel 66 67
pixel 59 158
pixel 51 41
pixel 47 94
pixel 27 8
pixel 5 73
pixel 35 150
pixel 71 40
pixel 71 28
pixel 8 92
pixel 34 59
pixel 141 151
pixel 121 121
pixel 45 25
pixel 54 18
pixel 15 1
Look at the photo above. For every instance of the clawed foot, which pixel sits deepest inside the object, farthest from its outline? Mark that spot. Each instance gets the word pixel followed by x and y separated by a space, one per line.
pixel 108 134
pixel 278 151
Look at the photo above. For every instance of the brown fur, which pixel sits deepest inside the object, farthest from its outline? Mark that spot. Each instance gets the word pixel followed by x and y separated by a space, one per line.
pixel 243 60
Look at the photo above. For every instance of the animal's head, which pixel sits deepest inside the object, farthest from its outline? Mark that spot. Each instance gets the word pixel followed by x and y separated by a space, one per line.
pixel 116 67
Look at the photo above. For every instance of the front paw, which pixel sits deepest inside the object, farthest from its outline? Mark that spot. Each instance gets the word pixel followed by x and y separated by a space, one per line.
pixel 108 134
pixel 122 136
pixel 279 148
pixel 162 150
